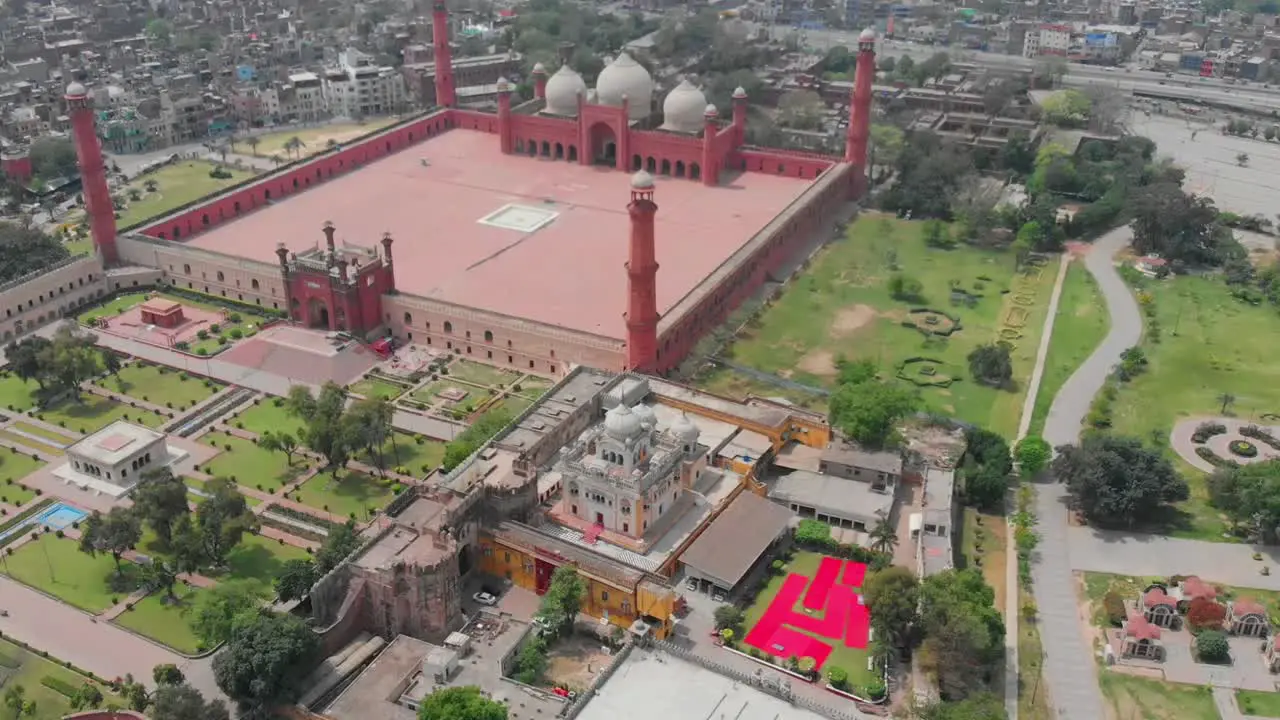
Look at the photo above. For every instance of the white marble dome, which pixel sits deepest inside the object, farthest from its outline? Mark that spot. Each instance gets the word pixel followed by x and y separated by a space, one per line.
pixel 622 424
pixel 626 77
pixel 647 417
pixel 684 429
pixel 683 108
pixel 867 35
pixel 563 90
pixel 76 89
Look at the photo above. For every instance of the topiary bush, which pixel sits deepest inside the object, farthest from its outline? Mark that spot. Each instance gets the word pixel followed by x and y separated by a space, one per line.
pixel 1113 605
pixel 838 677
pixel 1212 647
pixel 1206 430
pixel 1243 448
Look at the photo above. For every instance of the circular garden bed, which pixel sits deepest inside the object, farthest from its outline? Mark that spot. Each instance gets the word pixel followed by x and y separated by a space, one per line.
pixel 1243 448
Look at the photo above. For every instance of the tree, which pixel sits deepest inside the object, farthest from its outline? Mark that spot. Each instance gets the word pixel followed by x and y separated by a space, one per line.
pixel 884 536
pixel 459 703
pixel 279 442
pixel 294 145
pixel 135 692
pixel 253 142
pixel 800 109
pixel 936 235
pixel 218 612
pixel 1249 495
pixel 160 32
pixel 991 364
pixel 563 599
pixel 964 633
pixel 868 412
pixel 69 359
pixel 15 698
pixel 117 532
pixel 159 574
pixel 295 579
pixel 326 432
pixel 1242 159
pixel 25 358
pixel 167 674
pixel 369 426
pixel 159 499
pixel 1226 399
pixel 1212 646
pixel 1179 227
pixel 1034 453
pixel 265 661
pixel 1050 69
pixel 222 519
pixel 1116 481
pixel 981 706
pixel 906 288
pixel 1205 614
pixel 87 697
pixel 471 439
pixel 729 616
pixel 338 544
pixel 179 701
pixel 186 548
pixel 893 595
pixel 53 157
pixel 111 363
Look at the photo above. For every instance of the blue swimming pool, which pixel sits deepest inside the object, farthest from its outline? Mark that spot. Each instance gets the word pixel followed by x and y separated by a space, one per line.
pixel 58 516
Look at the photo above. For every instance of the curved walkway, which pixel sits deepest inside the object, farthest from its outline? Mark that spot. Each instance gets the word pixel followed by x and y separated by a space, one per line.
pixel 1069 667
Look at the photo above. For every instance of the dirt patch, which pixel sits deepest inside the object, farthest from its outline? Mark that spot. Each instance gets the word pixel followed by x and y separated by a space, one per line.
pixel 575 661
pixel 818 362
pixel 852 319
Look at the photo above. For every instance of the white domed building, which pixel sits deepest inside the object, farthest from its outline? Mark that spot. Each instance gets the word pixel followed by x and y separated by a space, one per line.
pixel 683 109
pixel 623 474
pixel 563 90
pixel 624 78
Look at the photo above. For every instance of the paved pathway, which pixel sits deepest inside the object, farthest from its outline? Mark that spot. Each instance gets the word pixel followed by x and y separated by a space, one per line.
pixel 1069 666
pixel 1142 554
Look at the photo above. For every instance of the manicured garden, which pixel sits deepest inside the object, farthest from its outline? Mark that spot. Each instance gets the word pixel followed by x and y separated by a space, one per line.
pixel 13 467
pixel 845 306
pixel 16 394
pixel 1080 326
pixel 259 560
pixel 416 455
pixel 247 464
pixel 165 619
pixel 55 438
pixel 481 374
pixel 92 412
pixel 161 385
pixel 56 566
pixel 371 387
pixel 353 494
pixel 38 677
pixel 1258 704
pixel 806 563
pixel 431 393
pixel 269 415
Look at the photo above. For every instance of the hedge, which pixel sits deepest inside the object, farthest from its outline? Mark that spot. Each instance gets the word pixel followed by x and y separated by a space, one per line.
pixel 1257 433
pixel 60 686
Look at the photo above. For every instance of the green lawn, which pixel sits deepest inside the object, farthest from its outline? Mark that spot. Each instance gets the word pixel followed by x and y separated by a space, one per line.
pixel 13 467
pixel 94 412
pixel 376 388
pixel 114 306
pixel 841 307
pixel 514 404
pixel 533 386
pixel 1143 699
pixel 481 374
pixel 1080 326
pixel 1259 704
pixel 852 660
pixel 165 620
pixel 353 493
pixel 15 394
pixel 176 184
pixel 408 454
pixel 314 139
pixel 249 465
pixel 430 393
pixel 162 386
pixel 265 416
pixel 1210 344
pixel 29 444
pixel 260 560
pixel 56 566
pixel 46 433
pixel 25 668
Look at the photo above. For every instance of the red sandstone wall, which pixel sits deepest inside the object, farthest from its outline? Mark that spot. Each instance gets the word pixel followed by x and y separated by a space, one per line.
pixel 776 162
pixel 204 214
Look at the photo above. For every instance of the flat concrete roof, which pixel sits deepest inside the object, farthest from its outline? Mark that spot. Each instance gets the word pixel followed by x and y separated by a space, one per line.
pixel 831 495
pixel 433 197
pixel 115 442
pixel 652 684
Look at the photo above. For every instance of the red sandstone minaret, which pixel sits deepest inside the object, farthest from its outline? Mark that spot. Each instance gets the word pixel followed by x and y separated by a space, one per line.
pixel 710 128
pixel 539 81
pixel 505 139
pixel 642 274
pixel 445 96
pixel 93 174
pixel 855 148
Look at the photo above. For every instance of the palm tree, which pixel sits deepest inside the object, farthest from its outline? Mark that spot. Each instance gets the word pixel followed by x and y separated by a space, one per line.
pixel 1226 399
pixel 277 160
pixel 253 143
pixel 294 145
pixel 160 575
pixel 884 536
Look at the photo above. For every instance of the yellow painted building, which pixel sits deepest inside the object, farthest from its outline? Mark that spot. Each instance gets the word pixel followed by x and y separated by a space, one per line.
pixel 780 423
pixel 620 593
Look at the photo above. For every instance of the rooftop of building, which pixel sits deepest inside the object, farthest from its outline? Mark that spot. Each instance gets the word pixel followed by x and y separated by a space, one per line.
pixel 396 675
pixel 845 453
pixel 830 494
pixel 515 213
pixel 115 442
pixel 653 684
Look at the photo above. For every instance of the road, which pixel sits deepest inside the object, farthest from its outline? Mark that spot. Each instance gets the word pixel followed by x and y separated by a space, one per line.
pixel 1069 666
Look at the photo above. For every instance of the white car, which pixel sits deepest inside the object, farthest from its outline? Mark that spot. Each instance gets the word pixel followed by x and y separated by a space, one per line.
pixel 485 598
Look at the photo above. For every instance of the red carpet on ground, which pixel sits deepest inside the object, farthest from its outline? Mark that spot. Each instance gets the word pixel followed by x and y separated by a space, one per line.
pixel 844 617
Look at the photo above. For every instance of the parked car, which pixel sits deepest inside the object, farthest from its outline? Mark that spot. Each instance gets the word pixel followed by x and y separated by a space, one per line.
pixel 691 583
pixel 485 598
